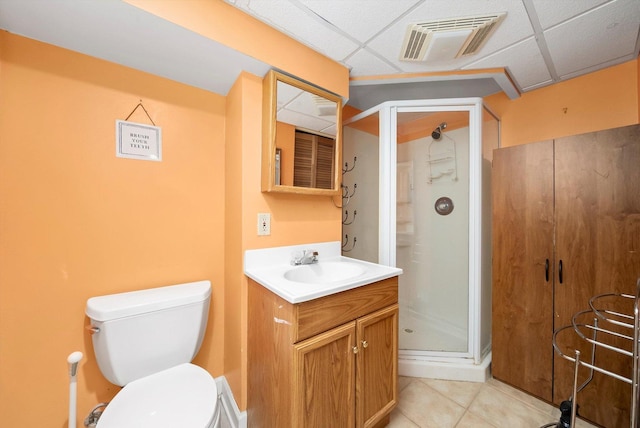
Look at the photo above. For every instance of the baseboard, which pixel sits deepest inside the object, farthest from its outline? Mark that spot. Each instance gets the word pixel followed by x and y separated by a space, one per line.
pixel 230 410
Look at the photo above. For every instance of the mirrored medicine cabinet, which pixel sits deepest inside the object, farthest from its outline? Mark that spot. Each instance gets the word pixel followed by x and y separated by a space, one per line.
pixel 302 137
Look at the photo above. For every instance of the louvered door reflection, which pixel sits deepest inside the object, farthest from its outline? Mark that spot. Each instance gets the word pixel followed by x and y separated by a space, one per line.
pixel 313 165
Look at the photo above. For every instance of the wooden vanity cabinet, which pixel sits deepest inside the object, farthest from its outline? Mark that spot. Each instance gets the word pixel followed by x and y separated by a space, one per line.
pixel 331 361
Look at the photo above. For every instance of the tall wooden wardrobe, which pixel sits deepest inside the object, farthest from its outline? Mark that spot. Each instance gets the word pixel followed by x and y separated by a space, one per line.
pixel 566 225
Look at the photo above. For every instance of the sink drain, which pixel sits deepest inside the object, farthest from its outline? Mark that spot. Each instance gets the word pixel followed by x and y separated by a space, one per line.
pixel 408 330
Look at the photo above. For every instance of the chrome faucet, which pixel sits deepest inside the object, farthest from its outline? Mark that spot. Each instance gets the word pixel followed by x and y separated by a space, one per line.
pixel 304 257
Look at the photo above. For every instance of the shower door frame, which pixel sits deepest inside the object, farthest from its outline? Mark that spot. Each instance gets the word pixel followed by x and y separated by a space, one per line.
pixel 388 126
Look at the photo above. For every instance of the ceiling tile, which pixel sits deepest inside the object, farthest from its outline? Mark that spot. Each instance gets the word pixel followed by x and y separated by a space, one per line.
pixel 302 26
pixel 514 28
pixel 552 12
pixel 525 60
pixel 611 31
pixel 361 19
pixel 364 63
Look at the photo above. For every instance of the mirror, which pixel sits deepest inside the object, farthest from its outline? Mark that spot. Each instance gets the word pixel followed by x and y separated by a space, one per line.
pixel 302 137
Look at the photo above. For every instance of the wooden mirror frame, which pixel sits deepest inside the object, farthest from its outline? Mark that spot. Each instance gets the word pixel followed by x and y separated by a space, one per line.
pixel 269 100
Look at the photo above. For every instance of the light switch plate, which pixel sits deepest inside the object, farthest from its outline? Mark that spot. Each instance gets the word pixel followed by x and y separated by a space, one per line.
pixel 264 224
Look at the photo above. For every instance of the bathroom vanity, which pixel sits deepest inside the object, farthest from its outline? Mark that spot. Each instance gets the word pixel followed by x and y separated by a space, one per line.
pixel 326 361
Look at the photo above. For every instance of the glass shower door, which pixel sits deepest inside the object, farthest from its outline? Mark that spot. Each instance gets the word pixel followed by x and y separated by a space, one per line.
pixel 432 229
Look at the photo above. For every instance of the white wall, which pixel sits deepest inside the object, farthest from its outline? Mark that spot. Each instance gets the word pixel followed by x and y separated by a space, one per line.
pixel 365 201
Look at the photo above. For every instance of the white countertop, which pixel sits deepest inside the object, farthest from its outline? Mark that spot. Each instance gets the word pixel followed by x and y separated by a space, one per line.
pixel 268 267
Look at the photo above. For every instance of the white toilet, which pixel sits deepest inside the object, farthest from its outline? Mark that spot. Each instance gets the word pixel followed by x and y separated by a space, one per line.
pixel 145 341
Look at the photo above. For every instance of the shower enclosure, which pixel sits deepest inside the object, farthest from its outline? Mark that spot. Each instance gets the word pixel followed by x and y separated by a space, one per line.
pixel 417 182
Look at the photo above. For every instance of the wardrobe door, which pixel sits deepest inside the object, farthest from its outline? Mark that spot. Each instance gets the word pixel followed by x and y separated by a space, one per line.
pixel 598 245
pixel 523 267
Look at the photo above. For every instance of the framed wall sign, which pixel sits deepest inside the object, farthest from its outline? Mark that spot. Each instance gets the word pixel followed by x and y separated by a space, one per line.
pixel 138 141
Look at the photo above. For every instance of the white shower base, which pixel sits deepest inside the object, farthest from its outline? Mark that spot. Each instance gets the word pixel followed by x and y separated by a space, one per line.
pixel 428 349
pixel 447 368
pixel 420 332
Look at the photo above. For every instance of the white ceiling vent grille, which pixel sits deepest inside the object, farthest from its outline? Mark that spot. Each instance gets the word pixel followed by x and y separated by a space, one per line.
pixel 324 107
pixel 448 38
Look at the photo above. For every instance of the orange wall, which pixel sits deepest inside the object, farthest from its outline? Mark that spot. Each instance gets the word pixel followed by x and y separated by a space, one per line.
pixel 235 333
pixel 295 219
pixel 75 221
pixel 286 141
pixel 601 100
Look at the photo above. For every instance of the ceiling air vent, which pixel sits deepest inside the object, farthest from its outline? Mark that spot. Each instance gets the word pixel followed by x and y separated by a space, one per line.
pixel 444 39
pixel 324 107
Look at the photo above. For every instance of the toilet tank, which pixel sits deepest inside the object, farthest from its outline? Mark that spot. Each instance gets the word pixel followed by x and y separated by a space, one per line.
pixel 139 333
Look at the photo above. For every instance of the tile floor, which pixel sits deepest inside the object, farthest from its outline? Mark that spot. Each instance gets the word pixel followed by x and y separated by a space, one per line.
pixel 431 403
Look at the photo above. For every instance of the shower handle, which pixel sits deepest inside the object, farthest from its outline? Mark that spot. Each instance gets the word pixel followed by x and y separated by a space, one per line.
pixel 546 270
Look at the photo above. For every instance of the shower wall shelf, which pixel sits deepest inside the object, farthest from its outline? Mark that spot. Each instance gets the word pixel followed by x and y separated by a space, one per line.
pixel 441 158
pixel 444 160
pixel 628 330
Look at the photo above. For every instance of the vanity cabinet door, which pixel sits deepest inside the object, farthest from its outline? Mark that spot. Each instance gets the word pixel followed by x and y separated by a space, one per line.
pixel 377 366
pixel 324 370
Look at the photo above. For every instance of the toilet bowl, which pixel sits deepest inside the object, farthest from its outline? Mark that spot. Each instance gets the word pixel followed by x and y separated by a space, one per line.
pixel 181 396
pixel 145 341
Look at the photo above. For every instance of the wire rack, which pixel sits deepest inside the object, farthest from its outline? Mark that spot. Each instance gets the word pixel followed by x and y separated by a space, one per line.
pixel 606 323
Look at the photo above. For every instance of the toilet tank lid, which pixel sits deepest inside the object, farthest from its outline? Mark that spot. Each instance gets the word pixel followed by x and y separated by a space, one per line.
pixel 114 306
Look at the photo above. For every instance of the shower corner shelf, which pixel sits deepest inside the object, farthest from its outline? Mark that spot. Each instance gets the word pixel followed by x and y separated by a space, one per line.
pixel 629 323
pixel 444 160
pixel 437 159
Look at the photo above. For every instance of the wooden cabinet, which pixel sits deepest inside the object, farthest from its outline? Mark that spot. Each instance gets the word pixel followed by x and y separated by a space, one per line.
pixel 523 267
pixel 566 227
pixel 332 361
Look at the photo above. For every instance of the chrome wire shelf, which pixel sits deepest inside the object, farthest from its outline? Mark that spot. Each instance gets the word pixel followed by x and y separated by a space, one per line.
pixel 628 330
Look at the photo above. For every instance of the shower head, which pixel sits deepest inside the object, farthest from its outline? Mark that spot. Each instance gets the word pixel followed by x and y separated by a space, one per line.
pixel 437 133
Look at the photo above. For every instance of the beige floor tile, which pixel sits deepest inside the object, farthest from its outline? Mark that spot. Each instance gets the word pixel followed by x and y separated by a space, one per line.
pixel 551 410
pixel 469 420
pixel 403 381
pixel 462 393
pixel 427 408
pixel 504 411
pixel 431 403
pixel 398 420
pixel 528 399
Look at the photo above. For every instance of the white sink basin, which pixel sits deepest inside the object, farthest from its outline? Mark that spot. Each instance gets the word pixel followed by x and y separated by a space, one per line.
pixel 324 272
pixel 333 273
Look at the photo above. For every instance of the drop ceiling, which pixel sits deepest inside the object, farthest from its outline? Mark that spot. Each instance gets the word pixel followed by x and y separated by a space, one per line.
pixel 124 34
pixel 539 42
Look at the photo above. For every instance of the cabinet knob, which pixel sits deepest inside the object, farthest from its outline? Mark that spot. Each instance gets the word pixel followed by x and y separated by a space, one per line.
pixel 365 343
pixel 355 349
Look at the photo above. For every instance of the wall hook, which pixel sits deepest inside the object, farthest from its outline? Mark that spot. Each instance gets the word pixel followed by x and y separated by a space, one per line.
pixel 346 242
pixel 346 166
pixel 345 191
pixel 346 217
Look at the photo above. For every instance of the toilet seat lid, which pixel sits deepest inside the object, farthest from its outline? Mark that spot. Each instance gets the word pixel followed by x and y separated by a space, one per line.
pixel 182 396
